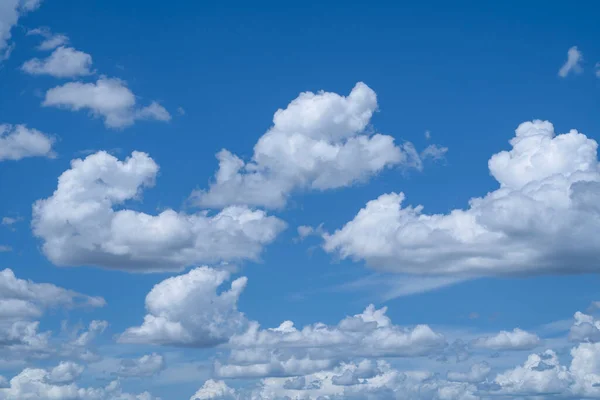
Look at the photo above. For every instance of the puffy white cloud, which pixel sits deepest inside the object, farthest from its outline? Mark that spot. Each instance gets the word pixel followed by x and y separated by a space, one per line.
pixel 573 63
pixel 57 384
pixel 542 218
pixel 21 303
pixel 363 380
pixel 518 339
pixel 214 390
pixel 64 62
pixel 18 141
pixel 540 374
pixel 287 351
pixel 585 328
pixel 145 366
pixel 187 310
pixel 320 141
pixel 51 41
pixel 10 12
pixel 84 222
pixel 107 98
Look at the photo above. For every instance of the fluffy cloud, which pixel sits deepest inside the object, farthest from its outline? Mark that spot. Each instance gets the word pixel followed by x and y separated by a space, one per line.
pixel 10 12
pixel 107 98
pixel 145 366
pixel 320 141
pixel 573 63
pixel 585 328
pixel 287 351
pixel 17 142
pixel 214 390
pixel 81 225
pixel 362 380
pixel 518 339
pixel 64 62
pixel 187 310
pixel 21 303
pixel 58 383
pixel 542 218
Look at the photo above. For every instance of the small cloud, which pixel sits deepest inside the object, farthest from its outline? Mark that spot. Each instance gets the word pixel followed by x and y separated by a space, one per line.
pixel 5 249
pixel 598 69
pixel 304 231
pixel 52 40
pixel 573 63
pixel 8 221
pixel 434 152
pixel 180 111
pixel 427 135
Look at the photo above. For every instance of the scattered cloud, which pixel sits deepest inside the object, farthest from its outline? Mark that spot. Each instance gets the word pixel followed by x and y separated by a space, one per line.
pixel 107 98
pixel 59 383
pixel 19 141
pixel 64 62
pixel 518 339
pixel 187 310
pixel 84 222
pixel 10 12
pixel 573 63
pixel 320 141
pixel 51 41
pixel 543 213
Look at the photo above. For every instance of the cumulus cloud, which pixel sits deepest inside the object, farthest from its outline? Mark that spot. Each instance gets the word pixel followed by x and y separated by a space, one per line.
pixel 541 219
pixel 585 328
pixel 84 222
pixel 18 141
pixel 64 62
pixel 58 383
pixel 22 302
pixel 107 98
pixel 214 390
pixel 188 310
pixel 10 12
pixel 518 339
pixel 361 380
pixel 320 141
pixel 573 63
pixel 288 351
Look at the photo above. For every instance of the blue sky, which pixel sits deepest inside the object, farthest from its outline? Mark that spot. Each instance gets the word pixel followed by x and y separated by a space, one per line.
pixel 324 110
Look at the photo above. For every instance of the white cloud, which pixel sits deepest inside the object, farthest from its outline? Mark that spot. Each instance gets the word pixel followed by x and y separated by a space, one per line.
pixel 18 141
pixel 187 310
pixel 10 12
pixel 598 69
pixel 518 339
pixel 51 41
pixel 21 303
pixel 84 222
pixel 145 366
pixel 214 390
pixel 573 63
pixel 319 142
pixel 287 351
pixel 584 328
pixel 542 218
pixel 57 384
pixel 362 380
pixel 64 62
pixel 108 98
